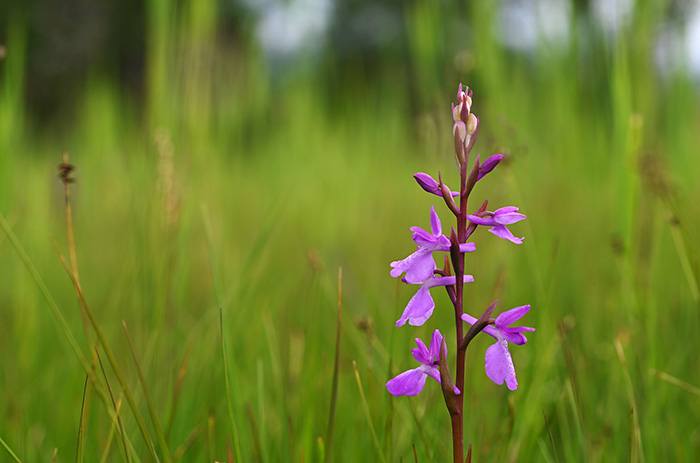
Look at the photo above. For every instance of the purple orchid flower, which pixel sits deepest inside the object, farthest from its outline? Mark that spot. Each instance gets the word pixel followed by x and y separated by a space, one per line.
pixel 498 221
pixel 421 305
pixel 411 382
pixel 420 265
pixel 499 363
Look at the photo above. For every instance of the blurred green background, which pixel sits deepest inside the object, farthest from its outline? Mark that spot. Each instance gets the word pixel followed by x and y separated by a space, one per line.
pixel 236 154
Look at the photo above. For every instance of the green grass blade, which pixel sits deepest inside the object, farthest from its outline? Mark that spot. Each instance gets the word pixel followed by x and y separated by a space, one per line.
pixel 122 432
pixel 44 290
pixel 9 450
pixel 234 427
pixel 676 382
pixel 149 401
pixel 81 425
pixel 368 415
pixel 336 367
pixel 112 360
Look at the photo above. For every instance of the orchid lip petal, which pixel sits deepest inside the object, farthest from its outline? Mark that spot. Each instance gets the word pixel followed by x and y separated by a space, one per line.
pixel 499 365
pixel 408 383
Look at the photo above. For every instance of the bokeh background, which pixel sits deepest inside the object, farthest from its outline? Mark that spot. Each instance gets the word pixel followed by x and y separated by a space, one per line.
pixel 234 154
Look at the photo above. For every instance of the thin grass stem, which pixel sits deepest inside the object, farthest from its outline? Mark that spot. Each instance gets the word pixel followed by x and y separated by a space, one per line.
pixel 229 400
pixel 9 451
pixel 149 401
pixel 368 415
pixel 122 432
pixel 81 424
pixel 44 290
pixel 177 390
pixel 336 369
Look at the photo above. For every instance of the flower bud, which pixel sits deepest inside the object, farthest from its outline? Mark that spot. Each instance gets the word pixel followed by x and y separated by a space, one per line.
pixel 456 112
pixel 472 124
pixel 459 132
pixel 430 185
pixel 489 165
pixel 467 103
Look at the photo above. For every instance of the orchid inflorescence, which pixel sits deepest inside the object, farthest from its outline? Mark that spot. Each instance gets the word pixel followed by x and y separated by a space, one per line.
pixel 419 268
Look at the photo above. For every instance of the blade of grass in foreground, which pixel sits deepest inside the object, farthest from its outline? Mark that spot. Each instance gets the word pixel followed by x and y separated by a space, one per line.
pixel 122 432
pixel 234 428
pixel 176 392
pixel 334 389
pixel 676 381
pixel 81 425
pixel 9 450
pixel 189 441
pixel 368 415
pixel 636 448
pixel 149 401
pixel 44 290
pixel 218 295
pixel 110 436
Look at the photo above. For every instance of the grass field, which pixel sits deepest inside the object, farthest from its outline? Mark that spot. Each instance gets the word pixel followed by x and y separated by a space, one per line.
pixel 224 200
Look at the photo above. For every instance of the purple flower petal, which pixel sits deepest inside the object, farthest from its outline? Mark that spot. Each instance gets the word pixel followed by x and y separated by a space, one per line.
pixel 421 305
pixel 419 266
pixel 435 224
pixel 486 221
pixel 421 353
pixel 467 247
pixel 435 343
pixel 511 316
pixel 433 373
pixel 507 218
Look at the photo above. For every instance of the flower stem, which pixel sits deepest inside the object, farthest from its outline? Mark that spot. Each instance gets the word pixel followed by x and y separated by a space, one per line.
pixel 457 419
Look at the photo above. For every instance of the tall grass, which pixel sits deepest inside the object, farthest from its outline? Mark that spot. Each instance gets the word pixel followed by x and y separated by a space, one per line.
pixel 219 194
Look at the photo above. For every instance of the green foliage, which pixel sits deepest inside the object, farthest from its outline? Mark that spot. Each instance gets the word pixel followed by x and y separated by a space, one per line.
pixel 218 194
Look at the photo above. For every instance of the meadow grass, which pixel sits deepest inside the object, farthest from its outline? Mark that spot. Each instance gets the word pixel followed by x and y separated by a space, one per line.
pixel 212 216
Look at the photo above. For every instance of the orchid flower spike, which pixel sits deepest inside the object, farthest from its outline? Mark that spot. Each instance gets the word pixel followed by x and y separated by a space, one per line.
pixel 498 220
pixel 411 382
pixel 499 363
